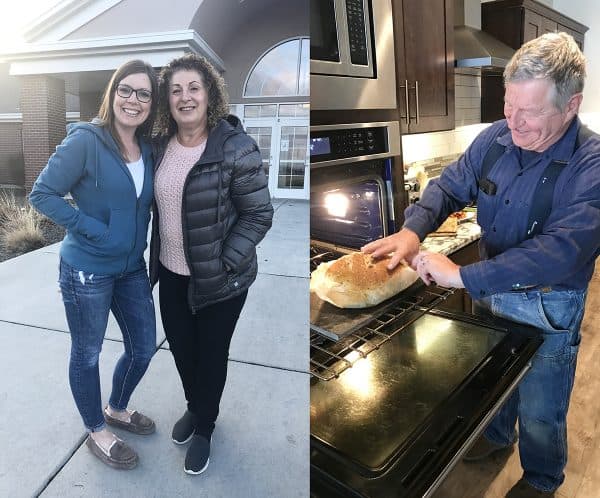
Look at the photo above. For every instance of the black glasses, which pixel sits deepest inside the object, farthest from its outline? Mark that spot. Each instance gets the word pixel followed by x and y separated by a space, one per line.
pixel 141 94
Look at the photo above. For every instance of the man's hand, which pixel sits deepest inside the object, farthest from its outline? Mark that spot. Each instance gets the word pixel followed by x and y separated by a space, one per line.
pixel 404 245
pixel 436 268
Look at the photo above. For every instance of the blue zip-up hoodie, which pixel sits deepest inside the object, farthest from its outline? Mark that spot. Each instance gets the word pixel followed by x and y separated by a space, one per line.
pixel 107 232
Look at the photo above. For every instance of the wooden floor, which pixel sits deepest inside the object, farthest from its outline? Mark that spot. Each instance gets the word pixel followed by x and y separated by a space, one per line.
pixel 494 478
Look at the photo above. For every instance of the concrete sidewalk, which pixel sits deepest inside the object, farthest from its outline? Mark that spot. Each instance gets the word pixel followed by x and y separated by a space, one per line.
pixel 260 446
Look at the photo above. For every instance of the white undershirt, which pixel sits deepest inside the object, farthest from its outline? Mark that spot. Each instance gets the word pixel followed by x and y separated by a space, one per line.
pixel 137 172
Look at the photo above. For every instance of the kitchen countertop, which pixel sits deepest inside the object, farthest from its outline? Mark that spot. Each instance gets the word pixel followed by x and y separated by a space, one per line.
pixel 467 232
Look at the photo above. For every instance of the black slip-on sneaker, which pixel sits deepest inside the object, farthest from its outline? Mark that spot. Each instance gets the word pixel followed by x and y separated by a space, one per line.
pixel 196 458
pixel 183 430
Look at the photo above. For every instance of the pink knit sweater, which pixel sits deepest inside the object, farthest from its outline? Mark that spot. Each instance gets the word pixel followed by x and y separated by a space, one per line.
pixel 168 190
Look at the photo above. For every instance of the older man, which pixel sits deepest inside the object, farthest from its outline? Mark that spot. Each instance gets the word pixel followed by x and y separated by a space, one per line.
pixel 536 179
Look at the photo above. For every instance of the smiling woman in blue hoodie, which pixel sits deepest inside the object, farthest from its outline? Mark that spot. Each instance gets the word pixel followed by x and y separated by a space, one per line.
pixel 107 167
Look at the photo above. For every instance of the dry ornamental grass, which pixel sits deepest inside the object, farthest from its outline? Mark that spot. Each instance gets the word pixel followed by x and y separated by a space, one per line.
pixel 22 229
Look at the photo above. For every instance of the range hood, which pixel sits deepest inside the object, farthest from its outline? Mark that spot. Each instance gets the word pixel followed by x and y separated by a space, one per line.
pixel 473 47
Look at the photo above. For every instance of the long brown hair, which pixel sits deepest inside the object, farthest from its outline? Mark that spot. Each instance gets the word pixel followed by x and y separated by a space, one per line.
pixel 106 113
pixel 218 106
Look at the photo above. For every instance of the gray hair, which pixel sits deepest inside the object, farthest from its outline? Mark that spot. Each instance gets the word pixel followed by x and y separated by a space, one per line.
pixel 555 57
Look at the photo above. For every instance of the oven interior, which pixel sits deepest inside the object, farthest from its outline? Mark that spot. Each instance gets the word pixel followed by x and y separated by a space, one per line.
pixel 350 205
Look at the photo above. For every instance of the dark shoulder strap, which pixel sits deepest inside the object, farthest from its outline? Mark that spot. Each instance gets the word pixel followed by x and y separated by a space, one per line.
pixel 544 192
pixel 542 198
pixel 491 157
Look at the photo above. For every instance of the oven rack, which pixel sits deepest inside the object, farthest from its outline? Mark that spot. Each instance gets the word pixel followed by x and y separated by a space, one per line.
pixel 329 358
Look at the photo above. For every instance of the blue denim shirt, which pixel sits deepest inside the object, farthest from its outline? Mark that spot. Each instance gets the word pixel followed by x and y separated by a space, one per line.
pixel 562 255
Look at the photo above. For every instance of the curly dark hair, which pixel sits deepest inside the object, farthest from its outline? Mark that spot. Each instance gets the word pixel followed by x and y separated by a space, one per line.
pixel 218 105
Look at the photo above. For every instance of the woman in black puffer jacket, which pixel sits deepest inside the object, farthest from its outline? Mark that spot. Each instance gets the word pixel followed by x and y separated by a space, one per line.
pixel 212 209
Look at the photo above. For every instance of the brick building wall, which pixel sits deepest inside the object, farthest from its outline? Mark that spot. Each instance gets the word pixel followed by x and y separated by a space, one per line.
pixel 11 155
pixel 44 122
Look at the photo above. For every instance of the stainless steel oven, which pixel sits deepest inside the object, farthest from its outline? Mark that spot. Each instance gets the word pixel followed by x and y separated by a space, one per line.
pixel 352 55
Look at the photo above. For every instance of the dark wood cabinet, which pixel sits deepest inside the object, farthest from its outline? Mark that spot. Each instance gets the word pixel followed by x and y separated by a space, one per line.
pixel 461 300
pixel 518 21
pixel 424 49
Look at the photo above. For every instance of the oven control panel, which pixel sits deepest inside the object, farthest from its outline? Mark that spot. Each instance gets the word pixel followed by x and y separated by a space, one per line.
pixel 345 143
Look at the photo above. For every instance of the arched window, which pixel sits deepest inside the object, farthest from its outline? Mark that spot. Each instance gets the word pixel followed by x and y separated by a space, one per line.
pixel 283 71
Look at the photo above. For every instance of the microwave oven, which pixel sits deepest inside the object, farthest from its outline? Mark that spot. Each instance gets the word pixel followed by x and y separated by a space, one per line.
pixel 340 38
pixel 352 62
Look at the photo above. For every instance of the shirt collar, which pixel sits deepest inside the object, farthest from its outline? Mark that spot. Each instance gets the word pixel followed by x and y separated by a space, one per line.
pixel 561 150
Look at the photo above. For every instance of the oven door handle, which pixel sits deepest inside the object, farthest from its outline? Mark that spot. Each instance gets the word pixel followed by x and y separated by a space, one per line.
pixel 390 199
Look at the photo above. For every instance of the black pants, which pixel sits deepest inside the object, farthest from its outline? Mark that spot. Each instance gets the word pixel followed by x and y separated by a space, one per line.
pixel 199 344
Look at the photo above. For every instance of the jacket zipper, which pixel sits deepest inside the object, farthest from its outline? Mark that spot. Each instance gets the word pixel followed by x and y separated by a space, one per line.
pixel 185 241
pixel 137 206
pixel 183 223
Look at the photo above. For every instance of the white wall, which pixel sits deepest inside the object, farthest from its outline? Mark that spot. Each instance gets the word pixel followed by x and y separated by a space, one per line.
pixel 586 12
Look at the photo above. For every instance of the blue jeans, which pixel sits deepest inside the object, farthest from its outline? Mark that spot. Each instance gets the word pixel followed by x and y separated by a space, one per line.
pixel 541 400
pixel 88 299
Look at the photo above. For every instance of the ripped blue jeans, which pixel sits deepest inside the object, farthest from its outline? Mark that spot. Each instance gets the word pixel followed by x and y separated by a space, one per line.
pixel 88 298
pixel 541 400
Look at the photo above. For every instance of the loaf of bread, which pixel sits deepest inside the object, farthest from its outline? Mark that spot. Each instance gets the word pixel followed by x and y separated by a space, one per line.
pixel 358 281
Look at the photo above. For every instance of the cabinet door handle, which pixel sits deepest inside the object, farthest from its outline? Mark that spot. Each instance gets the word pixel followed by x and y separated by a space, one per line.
pixel 406 101
pixel 417 99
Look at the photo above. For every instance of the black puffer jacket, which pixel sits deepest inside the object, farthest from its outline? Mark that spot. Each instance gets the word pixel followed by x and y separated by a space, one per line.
pixel 226 212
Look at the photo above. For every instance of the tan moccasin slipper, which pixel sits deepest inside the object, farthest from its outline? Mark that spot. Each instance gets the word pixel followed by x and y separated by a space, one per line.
pixel 138 423
pixel 118 455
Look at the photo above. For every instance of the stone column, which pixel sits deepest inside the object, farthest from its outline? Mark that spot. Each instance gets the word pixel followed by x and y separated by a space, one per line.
pixel 44 122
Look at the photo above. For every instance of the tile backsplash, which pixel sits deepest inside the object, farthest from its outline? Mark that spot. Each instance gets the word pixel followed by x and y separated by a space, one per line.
pixel 467 96
pixel 433 146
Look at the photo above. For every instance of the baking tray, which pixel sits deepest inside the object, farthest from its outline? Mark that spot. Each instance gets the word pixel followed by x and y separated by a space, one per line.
pixel 336 323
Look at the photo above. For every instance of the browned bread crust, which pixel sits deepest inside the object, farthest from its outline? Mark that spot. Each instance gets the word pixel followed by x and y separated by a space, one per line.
pixel 357 280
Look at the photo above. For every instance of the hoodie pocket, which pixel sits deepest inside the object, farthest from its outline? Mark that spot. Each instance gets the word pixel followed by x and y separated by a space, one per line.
pixel 120 236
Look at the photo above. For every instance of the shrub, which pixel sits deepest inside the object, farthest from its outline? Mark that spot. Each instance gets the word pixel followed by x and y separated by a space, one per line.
pixel 9 207
pixel 20 227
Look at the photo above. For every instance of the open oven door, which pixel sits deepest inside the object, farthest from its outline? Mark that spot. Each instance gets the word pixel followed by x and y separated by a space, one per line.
pixel 397 421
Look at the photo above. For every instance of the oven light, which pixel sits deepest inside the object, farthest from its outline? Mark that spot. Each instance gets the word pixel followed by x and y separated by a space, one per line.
pixel 427 337
pixel 337 204
pixel 359 378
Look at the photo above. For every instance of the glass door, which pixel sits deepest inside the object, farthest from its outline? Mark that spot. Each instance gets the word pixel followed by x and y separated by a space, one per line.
pixel 262 133
pixel 283 145
pixel 292 159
